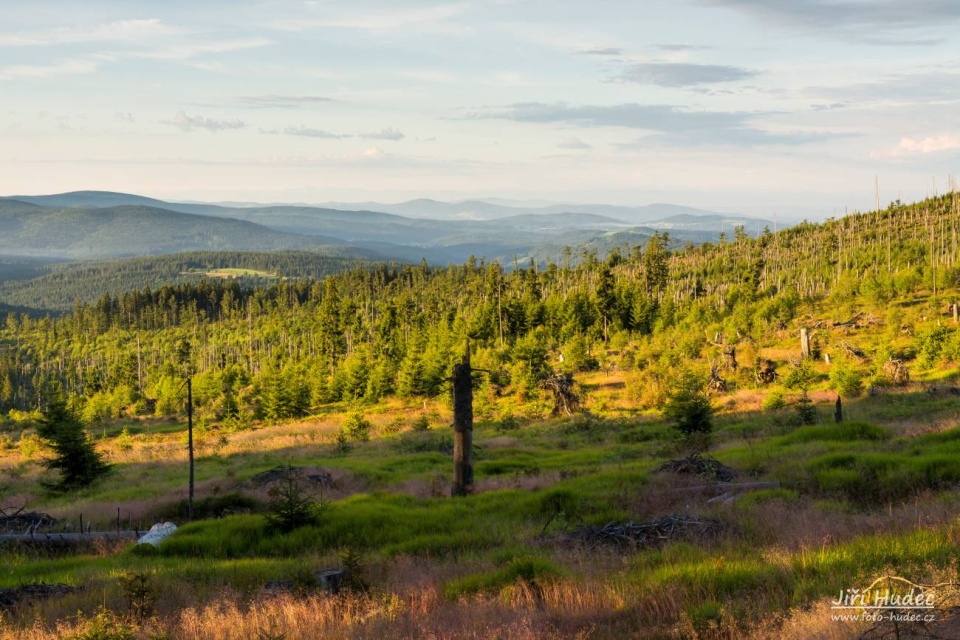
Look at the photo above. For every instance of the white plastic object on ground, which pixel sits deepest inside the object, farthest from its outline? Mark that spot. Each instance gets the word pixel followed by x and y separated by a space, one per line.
pixel 157 534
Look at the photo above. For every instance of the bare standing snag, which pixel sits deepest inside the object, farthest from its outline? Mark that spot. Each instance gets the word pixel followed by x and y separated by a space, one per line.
pixel 462 427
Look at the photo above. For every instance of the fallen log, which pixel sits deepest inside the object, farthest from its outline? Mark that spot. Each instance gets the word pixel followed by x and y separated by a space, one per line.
pixel 724 487
pixel 38 591
pixel 21 521
pixel 69 537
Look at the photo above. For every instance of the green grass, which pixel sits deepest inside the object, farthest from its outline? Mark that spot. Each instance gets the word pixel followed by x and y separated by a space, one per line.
pixel 597 470
pixel 532 571
pixel 798 577
pixel 843 432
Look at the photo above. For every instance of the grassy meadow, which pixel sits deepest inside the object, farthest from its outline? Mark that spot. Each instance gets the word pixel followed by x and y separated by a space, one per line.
pixel 870 497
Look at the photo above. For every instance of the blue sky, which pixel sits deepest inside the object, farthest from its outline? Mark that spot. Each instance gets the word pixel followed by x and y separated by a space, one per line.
pixel 758 106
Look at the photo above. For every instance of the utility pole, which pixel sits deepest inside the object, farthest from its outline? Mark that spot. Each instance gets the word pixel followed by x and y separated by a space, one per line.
pixel 190 444
pixel 184 353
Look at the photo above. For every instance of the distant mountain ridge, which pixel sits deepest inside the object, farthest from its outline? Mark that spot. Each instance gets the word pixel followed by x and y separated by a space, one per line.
pixel 129 230
pixel 419 208
pixel 98 224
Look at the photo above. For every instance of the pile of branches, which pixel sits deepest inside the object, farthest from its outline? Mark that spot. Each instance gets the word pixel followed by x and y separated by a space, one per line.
pixel 565 399
pixel 716 384
pixel 854 352
pixel 20 521
pixel 703 466
pixel 287 472
pixel 634 535
pixel 896 371
pixel 37 591
pixel 766 372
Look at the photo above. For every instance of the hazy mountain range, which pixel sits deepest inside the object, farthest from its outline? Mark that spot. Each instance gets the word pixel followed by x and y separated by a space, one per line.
pixel 96 225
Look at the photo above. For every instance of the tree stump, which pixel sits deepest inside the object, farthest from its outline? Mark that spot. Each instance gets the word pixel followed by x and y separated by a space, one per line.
pixel 804 343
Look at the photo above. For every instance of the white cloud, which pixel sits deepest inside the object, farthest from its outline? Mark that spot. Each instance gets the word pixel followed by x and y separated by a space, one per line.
pixel 187 51
pixel 920 146
pixel 120 31
pixel 575 144
pixel 190 123
pixel 381 19
pixel 64 67
pixel 432 77
pixel 308 132
pixel 389 133
pixel 282 102
pixel 373 153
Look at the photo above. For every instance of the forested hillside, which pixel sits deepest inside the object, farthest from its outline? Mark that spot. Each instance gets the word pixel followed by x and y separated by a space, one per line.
pixel 30 230
pixel 59 286
pixel 277 350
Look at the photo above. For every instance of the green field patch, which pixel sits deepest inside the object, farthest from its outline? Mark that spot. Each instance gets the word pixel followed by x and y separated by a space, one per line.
pixel 531 571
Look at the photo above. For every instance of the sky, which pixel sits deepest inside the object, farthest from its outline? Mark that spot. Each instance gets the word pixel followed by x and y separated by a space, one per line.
pixel 790 107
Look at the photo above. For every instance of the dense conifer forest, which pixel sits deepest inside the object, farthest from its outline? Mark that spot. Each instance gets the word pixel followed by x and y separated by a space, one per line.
pixel 277 349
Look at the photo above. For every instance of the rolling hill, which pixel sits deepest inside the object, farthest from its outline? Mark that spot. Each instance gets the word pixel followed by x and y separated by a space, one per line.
pixel 129 230
pixel 57 287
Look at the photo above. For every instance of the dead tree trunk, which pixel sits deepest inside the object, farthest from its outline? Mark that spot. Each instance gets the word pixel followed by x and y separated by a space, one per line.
pixel 190 446
pixel 804 343
pixel 462 428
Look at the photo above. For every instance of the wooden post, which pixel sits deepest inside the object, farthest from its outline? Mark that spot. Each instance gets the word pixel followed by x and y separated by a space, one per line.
pixel 956 311
pixel 804 343
pixel 190 444
pixel 838 411
pixel 462 427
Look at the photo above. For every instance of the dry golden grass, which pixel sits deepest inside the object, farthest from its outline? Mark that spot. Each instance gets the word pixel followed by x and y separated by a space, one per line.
pixel 559 611
pixel 810 623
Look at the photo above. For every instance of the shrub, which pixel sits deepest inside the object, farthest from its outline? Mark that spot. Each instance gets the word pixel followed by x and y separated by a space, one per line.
pixel 805 412
pixel 847 381
pixel 105 625
pixel 801 376
pixel 342 442
pixel 140 593
pixel 352 561
pixel 124 442
pixel 240 421
pixel 291 508
pixel 689 408
pixel 774 401
pixel 930 344
pixel 394 426
pixel 421 424
pixel 559 505
pixel 357 427
pixel 507 423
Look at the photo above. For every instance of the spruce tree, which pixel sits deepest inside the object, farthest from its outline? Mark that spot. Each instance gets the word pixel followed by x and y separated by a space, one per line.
pixel 75 457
